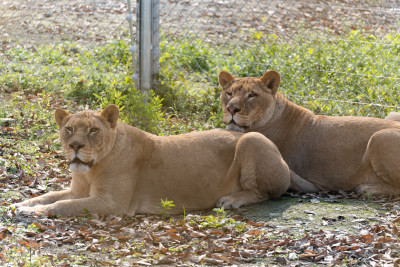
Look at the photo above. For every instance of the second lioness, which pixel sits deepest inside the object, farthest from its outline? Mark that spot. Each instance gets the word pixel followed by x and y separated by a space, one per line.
pixel 331 152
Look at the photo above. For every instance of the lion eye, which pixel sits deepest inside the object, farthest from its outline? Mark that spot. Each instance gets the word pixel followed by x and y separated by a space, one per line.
pixel 229 94
pixel 251 95
pixel 69 129
pixel 94 130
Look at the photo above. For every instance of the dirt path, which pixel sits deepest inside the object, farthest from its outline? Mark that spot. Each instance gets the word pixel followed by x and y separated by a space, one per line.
pixel 36 22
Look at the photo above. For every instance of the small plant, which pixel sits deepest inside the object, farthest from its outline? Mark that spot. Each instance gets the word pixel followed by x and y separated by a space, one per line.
pixel 166 205
pixel 184 214
pixel 368 195
pixel 221 212
pixel 217 221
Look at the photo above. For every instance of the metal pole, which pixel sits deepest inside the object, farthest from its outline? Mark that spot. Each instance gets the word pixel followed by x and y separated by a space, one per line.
pixel 156 41
pixel 148 43
pixel 132 47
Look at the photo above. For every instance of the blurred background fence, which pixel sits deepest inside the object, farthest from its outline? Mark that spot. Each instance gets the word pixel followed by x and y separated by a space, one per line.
pixel 335 56
pixel 338 57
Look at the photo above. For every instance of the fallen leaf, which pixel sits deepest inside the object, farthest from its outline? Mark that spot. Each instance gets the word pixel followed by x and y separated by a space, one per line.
pixel 254 232
pixel 396 220
pixel 216 232
pixel 144 262
pixel 367 238
pixel 255 223
pixel 213 261
pixel 197 234
pixel 175 236
pixel 124 238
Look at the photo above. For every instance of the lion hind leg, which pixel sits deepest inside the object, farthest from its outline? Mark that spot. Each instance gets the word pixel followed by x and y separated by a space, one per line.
pixel 381 164
pixel 263 173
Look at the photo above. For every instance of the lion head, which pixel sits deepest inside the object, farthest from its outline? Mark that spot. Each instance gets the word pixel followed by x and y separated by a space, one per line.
pixel 87 136
pixel 248 102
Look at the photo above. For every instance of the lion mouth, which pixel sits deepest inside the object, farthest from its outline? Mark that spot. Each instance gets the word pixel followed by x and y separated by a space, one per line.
pixel 234 123
pixel 78 161
pixel 235 127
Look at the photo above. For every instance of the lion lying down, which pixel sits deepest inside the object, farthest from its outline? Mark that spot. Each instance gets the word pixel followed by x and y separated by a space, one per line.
pixel 332 153
pixel 120 169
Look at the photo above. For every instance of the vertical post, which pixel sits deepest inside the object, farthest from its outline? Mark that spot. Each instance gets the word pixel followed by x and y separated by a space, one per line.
pixel 132 47
pixel 148 43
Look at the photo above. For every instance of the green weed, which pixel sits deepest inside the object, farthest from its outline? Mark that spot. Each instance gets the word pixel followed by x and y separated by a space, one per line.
pixel 220 211
pixel 166 205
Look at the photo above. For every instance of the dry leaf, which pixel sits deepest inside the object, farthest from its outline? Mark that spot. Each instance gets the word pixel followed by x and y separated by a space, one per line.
pixel 197 234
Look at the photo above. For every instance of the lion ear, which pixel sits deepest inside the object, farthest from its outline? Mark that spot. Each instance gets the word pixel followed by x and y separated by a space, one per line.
pixel 225 78
pixel 271 79
pixel 111 113
pixel 60 115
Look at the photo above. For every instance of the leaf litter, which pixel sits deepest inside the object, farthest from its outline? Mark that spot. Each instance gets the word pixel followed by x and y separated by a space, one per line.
pixel 202 238
pixel 297 229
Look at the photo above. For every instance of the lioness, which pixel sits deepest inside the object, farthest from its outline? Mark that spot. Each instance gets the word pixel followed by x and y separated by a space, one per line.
pixel 119 169
pixel 332 153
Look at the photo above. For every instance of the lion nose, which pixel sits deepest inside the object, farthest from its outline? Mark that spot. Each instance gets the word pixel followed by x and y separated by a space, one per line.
pixel 233 110
pixel 76 146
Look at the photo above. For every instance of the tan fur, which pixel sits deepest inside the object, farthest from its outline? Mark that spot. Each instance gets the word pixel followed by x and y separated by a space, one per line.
pixel 126 170
pixel 332 153
pixel 394 116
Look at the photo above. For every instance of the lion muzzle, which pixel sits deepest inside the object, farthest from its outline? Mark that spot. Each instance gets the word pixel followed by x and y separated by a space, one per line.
pixel 77 165
pixel 78 161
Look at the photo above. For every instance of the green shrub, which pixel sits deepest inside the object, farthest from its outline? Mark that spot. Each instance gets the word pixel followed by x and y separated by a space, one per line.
pixel 352 74
pixel 137 109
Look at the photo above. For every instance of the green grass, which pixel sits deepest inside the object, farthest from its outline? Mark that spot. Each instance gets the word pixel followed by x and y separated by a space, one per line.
pixel 353 74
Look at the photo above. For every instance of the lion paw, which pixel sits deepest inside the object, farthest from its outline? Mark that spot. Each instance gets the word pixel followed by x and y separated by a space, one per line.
pixel 229 202
pixel 26 203
pixel 24 210
pixel 39 210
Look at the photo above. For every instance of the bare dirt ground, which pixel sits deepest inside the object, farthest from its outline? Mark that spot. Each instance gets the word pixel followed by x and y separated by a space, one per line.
pixel 36 22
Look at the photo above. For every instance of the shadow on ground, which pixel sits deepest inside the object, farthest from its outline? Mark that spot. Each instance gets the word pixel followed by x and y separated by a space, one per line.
pixel 315 213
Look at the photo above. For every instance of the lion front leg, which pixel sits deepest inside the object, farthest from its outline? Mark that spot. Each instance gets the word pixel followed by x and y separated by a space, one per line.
pixel 71 207
pixel 261 171
pixel 45 199
pixel 79 189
